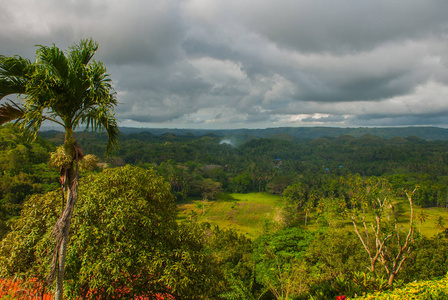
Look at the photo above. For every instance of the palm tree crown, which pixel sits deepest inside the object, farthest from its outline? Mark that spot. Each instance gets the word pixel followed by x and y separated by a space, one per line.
pixel 69 89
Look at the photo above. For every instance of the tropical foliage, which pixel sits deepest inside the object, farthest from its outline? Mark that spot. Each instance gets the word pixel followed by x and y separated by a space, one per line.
pixel 24 172
pixel 419 290
pixel 124 240
pixel 67 89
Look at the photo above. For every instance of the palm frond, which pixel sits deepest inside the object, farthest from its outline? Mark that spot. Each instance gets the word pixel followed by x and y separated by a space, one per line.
pixel 10 112
pixel 32 120
pixel 11 87
pixel 83 52
pixel 54 60
pixel 102 119
pixel 100 84
pixel 14 74
pixel 13 66
pixel 113 133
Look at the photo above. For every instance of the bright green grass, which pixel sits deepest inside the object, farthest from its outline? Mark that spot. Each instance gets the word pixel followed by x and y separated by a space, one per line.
pixel 428 228
pixel 253 213
pixel 246 213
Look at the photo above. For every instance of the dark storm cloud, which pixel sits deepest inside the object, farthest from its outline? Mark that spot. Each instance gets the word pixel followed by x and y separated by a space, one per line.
pixel 364 87
pixel 232 63
pixel 345 26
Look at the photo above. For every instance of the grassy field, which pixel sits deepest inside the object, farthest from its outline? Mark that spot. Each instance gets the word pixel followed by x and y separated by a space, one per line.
pixel 428 227
pixel 247 213
pixel 253 214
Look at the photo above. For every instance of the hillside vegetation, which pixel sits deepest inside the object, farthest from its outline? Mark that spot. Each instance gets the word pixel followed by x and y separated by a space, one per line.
pixel 426 133
pixel 254 218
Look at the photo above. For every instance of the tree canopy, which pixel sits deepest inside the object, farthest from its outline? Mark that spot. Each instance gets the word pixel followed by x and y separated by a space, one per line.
pixel 124 240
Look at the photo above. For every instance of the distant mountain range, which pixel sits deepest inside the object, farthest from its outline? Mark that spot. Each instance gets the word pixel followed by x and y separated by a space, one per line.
pixel 425 133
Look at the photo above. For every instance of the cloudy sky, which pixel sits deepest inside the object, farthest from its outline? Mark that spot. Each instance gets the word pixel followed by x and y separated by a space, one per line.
pixel 254 63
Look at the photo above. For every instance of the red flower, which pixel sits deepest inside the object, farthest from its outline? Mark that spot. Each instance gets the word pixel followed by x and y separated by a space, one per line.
pixel 341 297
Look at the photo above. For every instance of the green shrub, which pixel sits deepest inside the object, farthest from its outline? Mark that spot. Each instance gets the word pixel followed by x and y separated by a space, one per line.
pixel 421 290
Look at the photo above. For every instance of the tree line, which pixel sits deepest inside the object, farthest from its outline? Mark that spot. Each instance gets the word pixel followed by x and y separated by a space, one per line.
pixel 272 164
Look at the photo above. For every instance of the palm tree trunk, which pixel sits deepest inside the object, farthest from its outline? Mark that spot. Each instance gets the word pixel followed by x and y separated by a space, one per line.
pixel 59 293
pixel 64 229
pixel 69 180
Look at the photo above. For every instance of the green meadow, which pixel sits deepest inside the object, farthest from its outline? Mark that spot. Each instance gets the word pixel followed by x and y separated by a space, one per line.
pixel 253 214
pixel 250 214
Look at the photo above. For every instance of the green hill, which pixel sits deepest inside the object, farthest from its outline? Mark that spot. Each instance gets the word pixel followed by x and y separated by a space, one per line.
pixel 425 133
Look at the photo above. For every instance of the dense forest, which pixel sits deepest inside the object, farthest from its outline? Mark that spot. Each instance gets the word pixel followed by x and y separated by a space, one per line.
pixel 352 206
pixel 250 164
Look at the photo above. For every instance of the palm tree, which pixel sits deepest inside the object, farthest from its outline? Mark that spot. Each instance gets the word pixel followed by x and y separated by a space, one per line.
pixel 70 89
